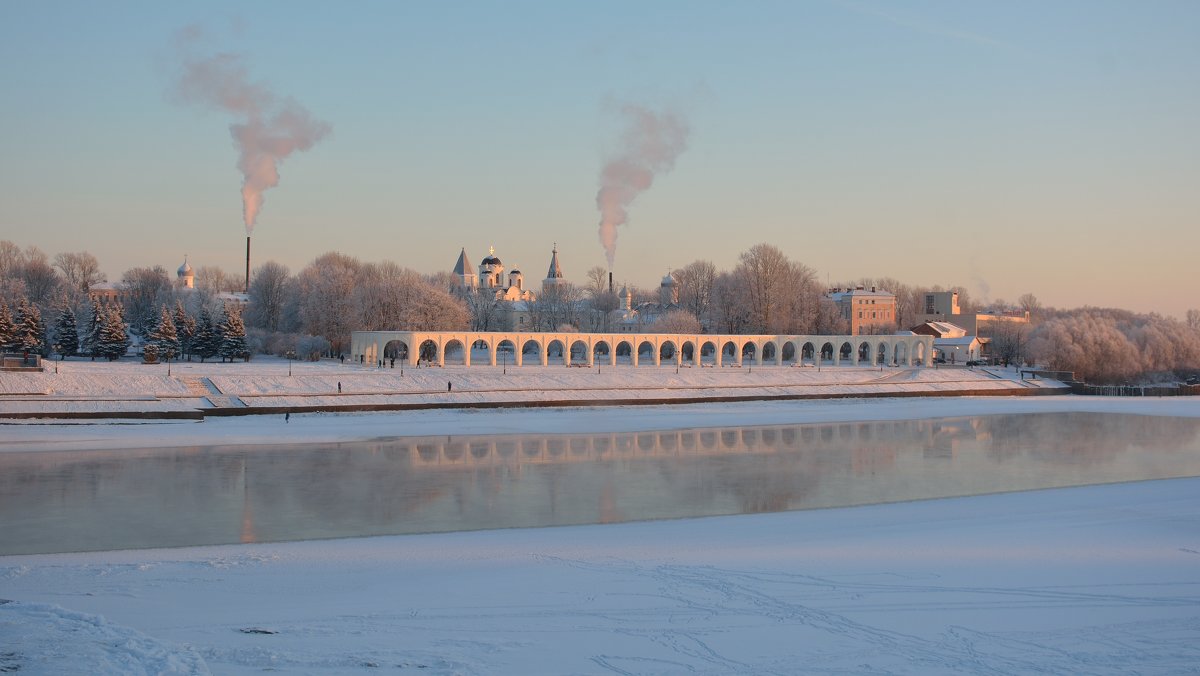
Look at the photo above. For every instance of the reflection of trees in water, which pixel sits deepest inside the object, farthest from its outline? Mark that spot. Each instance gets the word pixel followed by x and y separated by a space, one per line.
pixel 1084 439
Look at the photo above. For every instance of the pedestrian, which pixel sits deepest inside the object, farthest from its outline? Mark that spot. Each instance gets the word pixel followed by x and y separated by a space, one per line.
pixel 393 362
pixel 287 416
pixel 449 386
pixel 339 387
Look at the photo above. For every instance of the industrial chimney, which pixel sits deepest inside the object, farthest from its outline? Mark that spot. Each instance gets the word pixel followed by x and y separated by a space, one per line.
pixel 610 281
pixel 247 263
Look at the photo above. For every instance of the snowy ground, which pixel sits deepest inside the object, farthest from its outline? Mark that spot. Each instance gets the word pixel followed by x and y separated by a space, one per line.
pixel 81 386
pixel 1100 579
pixel 1094 580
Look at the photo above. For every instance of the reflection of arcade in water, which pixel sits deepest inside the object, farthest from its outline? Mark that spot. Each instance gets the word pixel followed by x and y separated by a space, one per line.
pixel 78 501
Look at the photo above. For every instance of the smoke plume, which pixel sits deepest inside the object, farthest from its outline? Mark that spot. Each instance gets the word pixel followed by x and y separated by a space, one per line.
pixel 651 143
pixel 266 129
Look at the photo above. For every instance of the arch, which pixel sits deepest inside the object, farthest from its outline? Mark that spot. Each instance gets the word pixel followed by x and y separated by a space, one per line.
pixel 455 353
pixel 481 351
pixel 864 353
pixel 882 353
pixel 395 349
pixel 708 353
pixel 580 353
pixel 827 354
pixel 601 352
pixel 506 353
pixel 532 353
pixel 645 353
pixel 788 354
pixel 900 354
pixel 428 352
pixel 808 352
pixel 769 352
pixel 749 350
pixel 667 351
pixel 919 353
pixel 729 352
pixel 687 352
pixel 555 352
pixel 479 450
pixel 625 353
pixel 844 353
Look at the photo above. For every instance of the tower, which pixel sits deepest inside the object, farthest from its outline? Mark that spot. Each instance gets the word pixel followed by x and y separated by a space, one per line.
pixel 185 278
pixel 491 270
pixel 554 277
pixel 464 277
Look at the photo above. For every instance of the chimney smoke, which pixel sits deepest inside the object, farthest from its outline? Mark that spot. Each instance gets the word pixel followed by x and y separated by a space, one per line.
pixel 651 142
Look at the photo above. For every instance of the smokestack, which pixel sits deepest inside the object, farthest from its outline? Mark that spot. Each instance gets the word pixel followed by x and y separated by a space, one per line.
pixel 610 281
pixel 247 263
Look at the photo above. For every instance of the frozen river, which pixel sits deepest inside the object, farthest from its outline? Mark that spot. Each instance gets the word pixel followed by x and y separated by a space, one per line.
pixel 203 495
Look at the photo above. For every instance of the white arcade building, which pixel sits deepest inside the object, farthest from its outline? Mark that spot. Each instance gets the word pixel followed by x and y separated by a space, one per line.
pixel 493 348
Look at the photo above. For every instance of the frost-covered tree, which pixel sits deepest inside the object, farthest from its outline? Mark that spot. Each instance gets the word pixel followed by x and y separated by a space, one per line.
pixel 185 329
pixel 90 338
pixel 114 338
pixel 79 270
pixel 270 288
pixel 8 329
pixel 66 332
pixel 145 290
pixel 165 337
pixel 233 336
pixel 31 332
pixel 676 321
pixel 207 341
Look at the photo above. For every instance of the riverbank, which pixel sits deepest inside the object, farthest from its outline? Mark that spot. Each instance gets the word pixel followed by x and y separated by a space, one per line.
pixel 80 389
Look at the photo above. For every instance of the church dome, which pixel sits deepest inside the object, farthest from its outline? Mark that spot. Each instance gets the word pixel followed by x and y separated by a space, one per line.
pixel 185 270
pixel 668 281
pixel 491 260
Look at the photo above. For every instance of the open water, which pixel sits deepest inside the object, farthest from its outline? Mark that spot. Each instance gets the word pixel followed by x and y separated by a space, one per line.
pixel 204 495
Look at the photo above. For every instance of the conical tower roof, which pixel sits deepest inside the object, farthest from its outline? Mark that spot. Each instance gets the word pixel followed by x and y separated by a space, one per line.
pixel 463 266
pixel 555 269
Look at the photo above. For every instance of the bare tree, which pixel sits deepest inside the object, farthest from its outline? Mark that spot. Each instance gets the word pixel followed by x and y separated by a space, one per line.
pixel 1029 303
pixel 597 281
pixel 729 311
pixel 41 280
pixel 1193 318
pixel 557 305
pixel 215 280
pixel 325 287
pixel 79 270
pixel 146 290
pixel 696 280
pixel 269 290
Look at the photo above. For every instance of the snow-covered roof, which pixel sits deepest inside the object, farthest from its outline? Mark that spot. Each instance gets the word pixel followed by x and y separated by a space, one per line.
pixel 962 340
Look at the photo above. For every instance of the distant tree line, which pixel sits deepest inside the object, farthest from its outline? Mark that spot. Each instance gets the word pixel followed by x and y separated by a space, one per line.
pixel 45 308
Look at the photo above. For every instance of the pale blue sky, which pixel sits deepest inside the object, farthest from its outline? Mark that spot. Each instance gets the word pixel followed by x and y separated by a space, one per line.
pixel 1008 147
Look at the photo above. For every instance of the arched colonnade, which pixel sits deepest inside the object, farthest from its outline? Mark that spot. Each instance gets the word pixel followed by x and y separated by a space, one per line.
pixel 494 348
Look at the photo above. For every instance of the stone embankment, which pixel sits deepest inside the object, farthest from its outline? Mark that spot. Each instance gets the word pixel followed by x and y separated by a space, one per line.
pixel 88 390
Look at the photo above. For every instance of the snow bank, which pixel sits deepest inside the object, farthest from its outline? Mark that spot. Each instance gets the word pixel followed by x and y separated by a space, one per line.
pixel 1101 579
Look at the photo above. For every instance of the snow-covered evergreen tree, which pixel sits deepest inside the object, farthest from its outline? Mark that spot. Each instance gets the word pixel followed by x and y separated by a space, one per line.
pixel 66 332
pixel 185 328
pixel 164 337
pixel 31 332
pixel 207 341
pixel 114 338
pixel 8 330
pixel 91 337
pixel 233 336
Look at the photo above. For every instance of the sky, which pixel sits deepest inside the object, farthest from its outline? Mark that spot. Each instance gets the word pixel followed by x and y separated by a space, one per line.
pixel 1008 148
